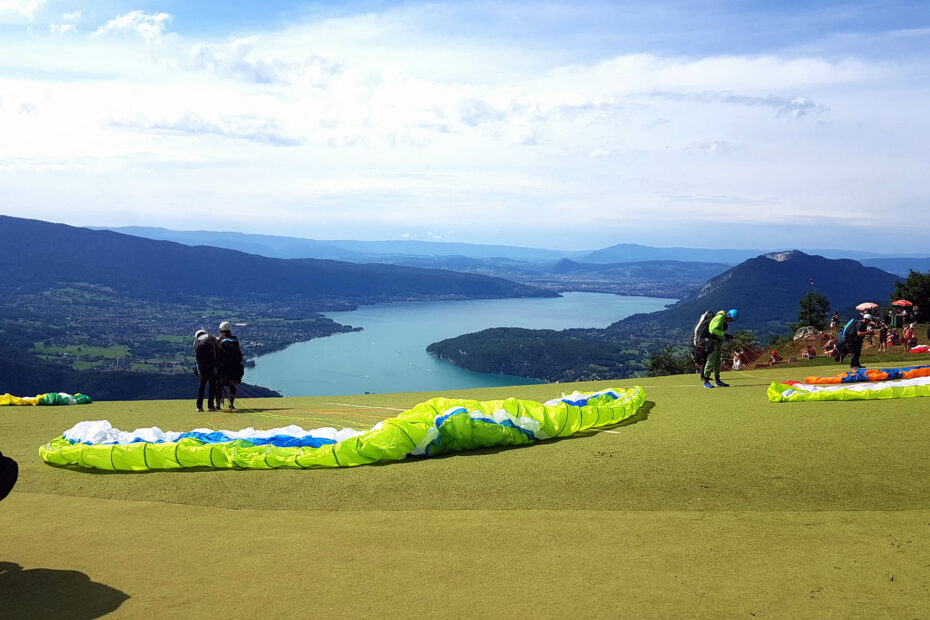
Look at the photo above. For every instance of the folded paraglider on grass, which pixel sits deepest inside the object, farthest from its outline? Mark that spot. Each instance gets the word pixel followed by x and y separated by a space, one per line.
pixel 430 428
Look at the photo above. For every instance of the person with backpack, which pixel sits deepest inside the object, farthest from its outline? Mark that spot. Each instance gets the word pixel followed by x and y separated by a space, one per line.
pixel 205 354
pixel 851 339
pixel 709 335
pixel 229 361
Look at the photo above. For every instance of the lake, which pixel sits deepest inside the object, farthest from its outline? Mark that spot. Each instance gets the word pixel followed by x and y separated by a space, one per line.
pixel 389 355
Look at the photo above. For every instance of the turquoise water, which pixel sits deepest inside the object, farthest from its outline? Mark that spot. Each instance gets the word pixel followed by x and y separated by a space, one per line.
pixel 389 355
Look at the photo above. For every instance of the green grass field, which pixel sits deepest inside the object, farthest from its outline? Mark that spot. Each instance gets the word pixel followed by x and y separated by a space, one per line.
pixel 708 503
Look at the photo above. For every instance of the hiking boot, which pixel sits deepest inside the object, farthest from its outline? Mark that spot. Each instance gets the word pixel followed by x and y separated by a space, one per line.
pixel 722 384
pixel 708 384
pixel 199 409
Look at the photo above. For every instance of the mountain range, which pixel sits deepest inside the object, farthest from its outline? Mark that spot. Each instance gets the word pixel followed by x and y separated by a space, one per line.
pixel 42 254
pixel 401 251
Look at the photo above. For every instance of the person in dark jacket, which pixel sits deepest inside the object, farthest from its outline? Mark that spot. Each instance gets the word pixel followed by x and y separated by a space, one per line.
pixel 9 472
pixel 229 361
pixel 853 335
pixel 205 354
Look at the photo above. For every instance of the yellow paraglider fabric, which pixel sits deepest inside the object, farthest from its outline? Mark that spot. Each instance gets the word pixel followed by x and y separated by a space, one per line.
pixel 432 427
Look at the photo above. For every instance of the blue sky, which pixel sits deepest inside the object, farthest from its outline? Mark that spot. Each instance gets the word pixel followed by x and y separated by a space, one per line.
pixel 572 125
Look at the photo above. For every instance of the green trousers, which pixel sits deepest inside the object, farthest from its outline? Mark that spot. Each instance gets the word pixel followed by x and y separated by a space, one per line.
pixel 712 365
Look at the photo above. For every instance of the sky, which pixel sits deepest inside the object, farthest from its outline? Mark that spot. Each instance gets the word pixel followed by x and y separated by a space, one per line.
pixel 568 125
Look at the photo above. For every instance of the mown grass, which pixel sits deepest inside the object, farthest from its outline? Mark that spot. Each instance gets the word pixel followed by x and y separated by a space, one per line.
pixel 707 503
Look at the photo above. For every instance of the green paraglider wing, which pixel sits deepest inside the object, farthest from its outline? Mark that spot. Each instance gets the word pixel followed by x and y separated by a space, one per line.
pixel 793 391
pixel 430 428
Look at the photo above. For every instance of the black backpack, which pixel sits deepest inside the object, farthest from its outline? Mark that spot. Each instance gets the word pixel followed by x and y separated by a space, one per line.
pixel 700 340
pixel 205 351
pixel 702 330
pixel 230 359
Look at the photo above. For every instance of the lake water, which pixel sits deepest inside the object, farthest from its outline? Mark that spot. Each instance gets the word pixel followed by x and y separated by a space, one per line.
pixel 389 355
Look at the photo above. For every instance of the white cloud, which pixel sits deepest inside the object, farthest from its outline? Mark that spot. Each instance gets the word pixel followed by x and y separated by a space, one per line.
pixel 19 11
pixel 253 128
pixel 149 26
pixel 419 134
pixel 720 147
pixel 61 28
pixel 239 59
pixel 795 107
pixel 72 16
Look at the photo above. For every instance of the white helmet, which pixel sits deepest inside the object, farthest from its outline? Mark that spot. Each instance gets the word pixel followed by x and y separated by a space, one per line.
pixel 864 316
pixel 225 326
pixel 200 332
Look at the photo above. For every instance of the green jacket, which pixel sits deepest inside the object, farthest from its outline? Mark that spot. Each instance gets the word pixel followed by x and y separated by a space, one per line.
pixel 718 325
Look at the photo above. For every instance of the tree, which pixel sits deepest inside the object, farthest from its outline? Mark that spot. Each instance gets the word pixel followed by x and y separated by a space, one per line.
pixel 814 311
pixel 670 361
pixel 744 340
pixel 916 289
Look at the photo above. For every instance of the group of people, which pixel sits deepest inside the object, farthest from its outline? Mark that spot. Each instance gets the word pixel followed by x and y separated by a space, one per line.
pixel 710 334
pixel 219 363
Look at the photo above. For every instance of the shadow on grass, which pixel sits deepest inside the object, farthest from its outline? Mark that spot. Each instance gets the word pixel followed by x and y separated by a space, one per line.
pixel 48 593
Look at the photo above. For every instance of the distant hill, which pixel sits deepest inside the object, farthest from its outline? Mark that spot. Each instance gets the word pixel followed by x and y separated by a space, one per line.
pixel 356 251
pixel 36 253
pixel 899 266
pixel 631 252
pixel 766 290
pixel 654 270
pixel 448 255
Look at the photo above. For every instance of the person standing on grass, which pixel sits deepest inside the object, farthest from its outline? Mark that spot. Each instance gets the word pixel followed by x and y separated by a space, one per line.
pixel 205 354
pixel 229 361
pixel 853 335
pixel 718 333
pixel 834 322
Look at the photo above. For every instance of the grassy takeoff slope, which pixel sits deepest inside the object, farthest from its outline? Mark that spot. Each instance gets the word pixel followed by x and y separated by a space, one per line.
pixel 708 503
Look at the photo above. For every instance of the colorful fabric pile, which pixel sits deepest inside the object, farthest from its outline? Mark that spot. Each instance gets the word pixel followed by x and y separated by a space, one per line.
pixel 860 375
pixel 794 391
pixel 430 428
pixel 52 398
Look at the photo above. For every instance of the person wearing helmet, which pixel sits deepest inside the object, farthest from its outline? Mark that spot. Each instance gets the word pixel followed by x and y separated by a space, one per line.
pixel 718 333
pixel 229 361
pixel 853 334
pixel 205 354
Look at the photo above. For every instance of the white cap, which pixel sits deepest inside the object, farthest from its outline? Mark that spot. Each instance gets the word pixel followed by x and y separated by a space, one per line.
pixel 864 316
pixel 225 326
